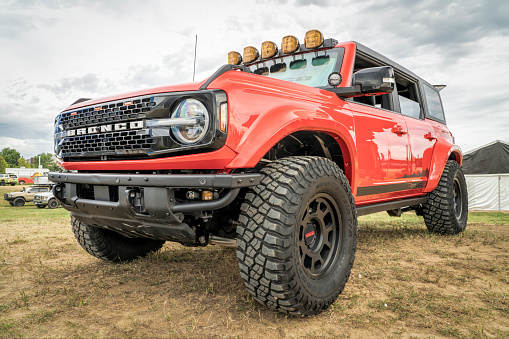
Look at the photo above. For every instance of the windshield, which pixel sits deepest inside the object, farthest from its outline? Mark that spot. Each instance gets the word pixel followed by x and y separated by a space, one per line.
pixel 310 69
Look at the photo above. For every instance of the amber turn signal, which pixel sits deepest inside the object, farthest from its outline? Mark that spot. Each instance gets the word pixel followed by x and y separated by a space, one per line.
pixel 234 58
pixel 314 39
pixel 250 54
pixel 290 44
pixel 223 116
pixel 269 49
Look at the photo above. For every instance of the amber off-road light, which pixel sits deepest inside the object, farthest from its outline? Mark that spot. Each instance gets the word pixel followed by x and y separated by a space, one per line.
pixel 250 54
pixel 269 49
pixel 314 39
pixel 290 44
pixel 234 58
pixel 207 195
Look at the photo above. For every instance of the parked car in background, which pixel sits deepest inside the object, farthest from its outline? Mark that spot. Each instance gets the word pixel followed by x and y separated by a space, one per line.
pixel 23 181
pixel 19 199
pixel 8 178
pixel 42 200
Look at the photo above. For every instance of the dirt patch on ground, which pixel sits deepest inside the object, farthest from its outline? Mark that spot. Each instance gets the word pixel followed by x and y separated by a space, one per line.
pixel 405 283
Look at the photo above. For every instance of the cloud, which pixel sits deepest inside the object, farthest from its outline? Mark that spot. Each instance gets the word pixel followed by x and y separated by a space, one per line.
pixel 28 147
pixel 405 27
pixel 56 51
pixel 11 28
pixel 84 86
pixel 319 3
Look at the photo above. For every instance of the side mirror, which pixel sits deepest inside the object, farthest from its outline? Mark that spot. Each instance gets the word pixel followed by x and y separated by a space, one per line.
pixel 375 80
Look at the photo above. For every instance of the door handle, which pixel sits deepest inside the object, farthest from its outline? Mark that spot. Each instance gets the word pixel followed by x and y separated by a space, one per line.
pixel 429 136
pixel 398 129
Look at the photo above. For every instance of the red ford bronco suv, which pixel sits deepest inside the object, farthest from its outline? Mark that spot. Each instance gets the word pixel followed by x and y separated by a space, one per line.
pixel 276 154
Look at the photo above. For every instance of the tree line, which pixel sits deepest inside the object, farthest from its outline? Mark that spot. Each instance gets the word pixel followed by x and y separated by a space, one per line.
pixel 10 158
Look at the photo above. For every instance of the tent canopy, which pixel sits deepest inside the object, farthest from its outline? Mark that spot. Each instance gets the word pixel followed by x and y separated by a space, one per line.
pixel 489 159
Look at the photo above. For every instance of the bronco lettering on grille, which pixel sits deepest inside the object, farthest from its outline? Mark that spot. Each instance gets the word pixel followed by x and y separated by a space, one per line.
pixel 122 126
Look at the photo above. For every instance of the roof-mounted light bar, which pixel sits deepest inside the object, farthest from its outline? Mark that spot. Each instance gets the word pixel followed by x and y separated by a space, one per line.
pixel 290 44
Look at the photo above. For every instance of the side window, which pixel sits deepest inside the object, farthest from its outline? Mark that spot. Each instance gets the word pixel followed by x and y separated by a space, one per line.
pixel 435 108
pixel 408 98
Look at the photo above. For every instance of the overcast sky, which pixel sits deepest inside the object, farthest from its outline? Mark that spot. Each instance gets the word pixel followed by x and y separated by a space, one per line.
pixel 53 52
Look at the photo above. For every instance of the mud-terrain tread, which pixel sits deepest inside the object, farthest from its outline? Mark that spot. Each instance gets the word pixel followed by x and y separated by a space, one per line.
pixel 111 246
pixel 438 210
pixel 265 233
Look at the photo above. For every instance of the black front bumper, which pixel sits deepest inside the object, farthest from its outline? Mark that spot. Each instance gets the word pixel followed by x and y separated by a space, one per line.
pixel 145 205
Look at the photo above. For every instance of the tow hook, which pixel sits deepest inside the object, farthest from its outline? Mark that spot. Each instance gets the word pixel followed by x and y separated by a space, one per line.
pixel 135 200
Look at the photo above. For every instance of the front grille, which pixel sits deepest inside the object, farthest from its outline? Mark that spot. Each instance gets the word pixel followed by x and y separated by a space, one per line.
pixel 38 198
pixel 114 112
pixel 109 143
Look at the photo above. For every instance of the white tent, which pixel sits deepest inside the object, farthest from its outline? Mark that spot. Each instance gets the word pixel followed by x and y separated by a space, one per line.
pixel 487 175
pixel 488 192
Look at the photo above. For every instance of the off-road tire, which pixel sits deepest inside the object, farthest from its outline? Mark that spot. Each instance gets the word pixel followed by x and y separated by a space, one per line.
pixel 13 183
pixel 297 235
pixel 22 182
pixel 446 210
pixel 111 246
pixel 52 203
pixel 2 183
pixel 40 206
pixel 19 202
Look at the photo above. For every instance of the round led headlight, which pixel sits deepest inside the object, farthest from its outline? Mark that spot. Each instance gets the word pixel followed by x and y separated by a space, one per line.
pixel 191 133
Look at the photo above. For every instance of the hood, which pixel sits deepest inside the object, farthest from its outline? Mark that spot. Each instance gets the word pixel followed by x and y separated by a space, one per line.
pixel 194 86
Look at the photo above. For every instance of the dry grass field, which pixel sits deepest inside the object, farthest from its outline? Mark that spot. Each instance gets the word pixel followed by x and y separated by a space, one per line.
pixel 405 283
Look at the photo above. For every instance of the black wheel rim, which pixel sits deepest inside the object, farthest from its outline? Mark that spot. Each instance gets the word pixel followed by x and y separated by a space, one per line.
pixel 319 235
pixel 457 199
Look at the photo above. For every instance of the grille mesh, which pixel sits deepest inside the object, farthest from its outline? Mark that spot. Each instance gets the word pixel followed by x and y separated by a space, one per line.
pixel 107 113
pixel 115 142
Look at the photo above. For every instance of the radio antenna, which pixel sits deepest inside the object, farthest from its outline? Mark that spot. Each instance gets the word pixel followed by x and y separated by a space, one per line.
pixel 194 67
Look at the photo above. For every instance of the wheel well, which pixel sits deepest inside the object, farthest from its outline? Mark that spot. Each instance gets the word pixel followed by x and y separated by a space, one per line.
pixel 456 157
pixel 303 143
